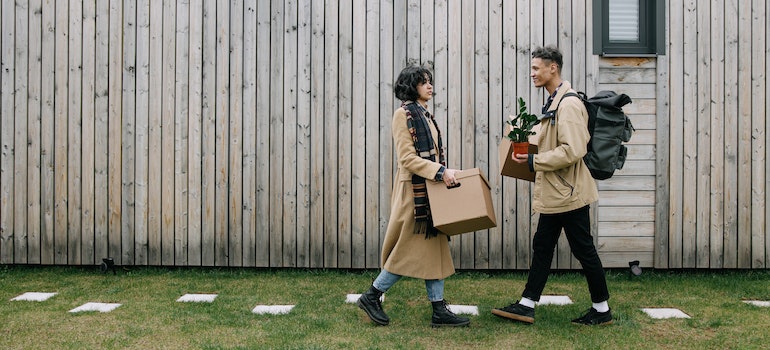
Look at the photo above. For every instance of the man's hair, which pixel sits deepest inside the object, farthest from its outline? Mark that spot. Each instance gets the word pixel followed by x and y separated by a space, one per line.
pixel 548 53
pixel 405 87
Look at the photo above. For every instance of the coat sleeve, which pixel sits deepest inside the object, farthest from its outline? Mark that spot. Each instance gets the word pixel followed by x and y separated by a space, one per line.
pixel 572 138
pixel 405 151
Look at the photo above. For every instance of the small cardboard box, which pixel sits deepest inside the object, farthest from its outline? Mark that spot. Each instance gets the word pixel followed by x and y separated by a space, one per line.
pixel 465 208
pixel 510 168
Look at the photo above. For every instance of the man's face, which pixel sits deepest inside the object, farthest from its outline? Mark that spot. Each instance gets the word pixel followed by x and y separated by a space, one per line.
pixel 543 72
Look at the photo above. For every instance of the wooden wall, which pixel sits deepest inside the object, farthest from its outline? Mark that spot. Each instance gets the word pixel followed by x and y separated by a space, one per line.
pixel 257 132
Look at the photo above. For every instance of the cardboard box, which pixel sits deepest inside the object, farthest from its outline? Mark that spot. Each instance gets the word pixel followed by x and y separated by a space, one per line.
pixel 510 168
pixel 465 208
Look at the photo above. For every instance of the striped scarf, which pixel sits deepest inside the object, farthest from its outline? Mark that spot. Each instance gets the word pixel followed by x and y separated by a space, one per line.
pixel 426 149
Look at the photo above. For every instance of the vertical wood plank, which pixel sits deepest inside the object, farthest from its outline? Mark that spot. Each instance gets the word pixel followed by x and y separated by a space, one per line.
pixel 249 131
pixel 524 218
pixel 744 127
pixel 703 182
pixel 155 132
pixel 467 113
pixel 676 136
pixel 316 228
pixel 128 144
pixel 88 134
pixel 412 27
pixel 21 174
pixel 386 107
pixel 495 112
pixel 75 138
pixel 34 165
pixel 194 149
pixel 235 195
pixel 290 134
pixel 767 138
pixel 168 92
pixel 689 133
pixel 717 91
pixel 181 128
pixel 507 218
pixel 358 136
pixel 209 234
pixel 344 155
pixel 304 147
pixel 481 134
pixel 373 136
pixel 731 115
pixel 60 133
pixel 6 137
pixel 276 131
pixel 101 131
pixel 331 55
pixel 758 135
pixel 221 128
pixel 142 118
pixel 263 244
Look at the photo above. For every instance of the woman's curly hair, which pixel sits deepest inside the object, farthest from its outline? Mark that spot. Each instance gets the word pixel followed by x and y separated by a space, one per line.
pixel 405 87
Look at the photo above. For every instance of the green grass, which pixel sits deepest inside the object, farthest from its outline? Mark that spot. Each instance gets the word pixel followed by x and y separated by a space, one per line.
pixel 150 318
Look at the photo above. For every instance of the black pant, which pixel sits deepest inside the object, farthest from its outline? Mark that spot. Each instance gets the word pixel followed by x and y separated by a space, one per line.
pixel 577 227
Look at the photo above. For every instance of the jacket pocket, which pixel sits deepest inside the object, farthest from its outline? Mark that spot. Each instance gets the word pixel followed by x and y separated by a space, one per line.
pixel 557 191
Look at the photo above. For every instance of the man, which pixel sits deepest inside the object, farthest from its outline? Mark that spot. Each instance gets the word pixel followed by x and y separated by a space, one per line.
pixel 563 191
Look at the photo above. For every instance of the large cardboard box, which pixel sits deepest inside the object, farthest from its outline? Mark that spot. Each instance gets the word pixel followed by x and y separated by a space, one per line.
pixel 465 208
pixel 510 168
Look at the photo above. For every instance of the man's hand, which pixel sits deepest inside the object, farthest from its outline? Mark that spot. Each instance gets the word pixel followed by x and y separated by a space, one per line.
pixel 520 158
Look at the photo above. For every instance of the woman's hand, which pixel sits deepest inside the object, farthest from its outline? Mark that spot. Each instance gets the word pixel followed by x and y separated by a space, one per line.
pixel 449 176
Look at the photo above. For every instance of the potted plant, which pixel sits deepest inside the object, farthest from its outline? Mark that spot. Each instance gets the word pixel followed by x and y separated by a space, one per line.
pixel 521 128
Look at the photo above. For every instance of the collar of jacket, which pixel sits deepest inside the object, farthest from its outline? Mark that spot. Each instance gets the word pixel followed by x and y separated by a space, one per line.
pixel 565 88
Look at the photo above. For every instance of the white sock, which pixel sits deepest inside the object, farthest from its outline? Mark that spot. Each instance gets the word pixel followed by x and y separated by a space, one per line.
pixel 601 307
pixel 527 302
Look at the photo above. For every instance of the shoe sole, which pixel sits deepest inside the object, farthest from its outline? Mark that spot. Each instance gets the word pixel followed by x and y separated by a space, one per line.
pixel 512 316
pixel 438 325
pixel 598 324
pixel 362 307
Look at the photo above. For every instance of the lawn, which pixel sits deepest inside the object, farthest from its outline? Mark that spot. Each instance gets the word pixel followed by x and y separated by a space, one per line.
pixel 150 317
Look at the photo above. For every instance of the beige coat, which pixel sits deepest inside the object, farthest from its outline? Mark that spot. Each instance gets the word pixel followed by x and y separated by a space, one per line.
pixel 562 180
pixel 404 252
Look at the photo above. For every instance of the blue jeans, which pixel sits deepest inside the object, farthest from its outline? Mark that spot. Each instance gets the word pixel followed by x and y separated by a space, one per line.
pixel 385 280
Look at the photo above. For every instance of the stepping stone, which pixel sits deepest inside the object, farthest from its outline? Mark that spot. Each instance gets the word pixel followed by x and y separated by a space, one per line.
pixel 464 309
pixel 353 298
pixel 101 307
pixel 662 313
pixel 34 296
pixel 554 300
pixel 759 303
pixel 272 309
pixel 197 298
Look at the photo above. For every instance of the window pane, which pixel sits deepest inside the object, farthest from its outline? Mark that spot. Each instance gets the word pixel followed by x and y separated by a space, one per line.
pixel 624 20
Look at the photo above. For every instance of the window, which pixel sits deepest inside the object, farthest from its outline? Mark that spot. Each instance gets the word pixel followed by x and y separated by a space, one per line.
pixel 629 27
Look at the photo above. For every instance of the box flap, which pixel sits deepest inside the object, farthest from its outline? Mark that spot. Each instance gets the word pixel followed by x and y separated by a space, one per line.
pixel 472 172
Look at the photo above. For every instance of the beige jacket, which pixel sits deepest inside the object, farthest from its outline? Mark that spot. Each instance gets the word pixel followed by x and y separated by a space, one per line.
pixel 404 252
pixel 562 180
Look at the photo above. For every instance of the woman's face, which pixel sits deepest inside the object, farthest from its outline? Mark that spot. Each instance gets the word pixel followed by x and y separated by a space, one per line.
pixel 425 91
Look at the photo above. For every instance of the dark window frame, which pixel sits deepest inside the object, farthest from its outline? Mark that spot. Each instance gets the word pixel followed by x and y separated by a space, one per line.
pixel 652 30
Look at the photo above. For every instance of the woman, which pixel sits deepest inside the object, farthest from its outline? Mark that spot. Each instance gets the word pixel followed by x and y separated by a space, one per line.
pixel 412 246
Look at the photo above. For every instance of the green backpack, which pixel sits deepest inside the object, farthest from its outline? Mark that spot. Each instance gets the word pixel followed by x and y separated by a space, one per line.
pixel 609 127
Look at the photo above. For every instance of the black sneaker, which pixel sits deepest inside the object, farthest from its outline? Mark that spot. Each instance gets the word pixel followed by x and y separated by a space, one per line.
pixel 594 318
pixel 516 312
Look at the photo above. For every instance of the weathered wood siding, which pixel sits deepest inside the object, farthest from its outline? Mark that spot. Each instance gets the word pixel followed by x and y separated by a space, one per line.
pixel 257 132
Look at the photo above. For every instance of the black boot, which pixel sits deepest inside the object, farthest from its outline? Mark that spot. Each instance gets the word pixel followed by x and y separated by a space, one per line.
pixel 442 317
pixel 370 303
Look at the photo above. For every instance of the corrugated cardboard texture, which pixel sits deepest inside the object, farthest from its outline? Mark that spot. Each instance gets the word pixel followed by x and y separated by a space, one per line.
pixel 462 209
